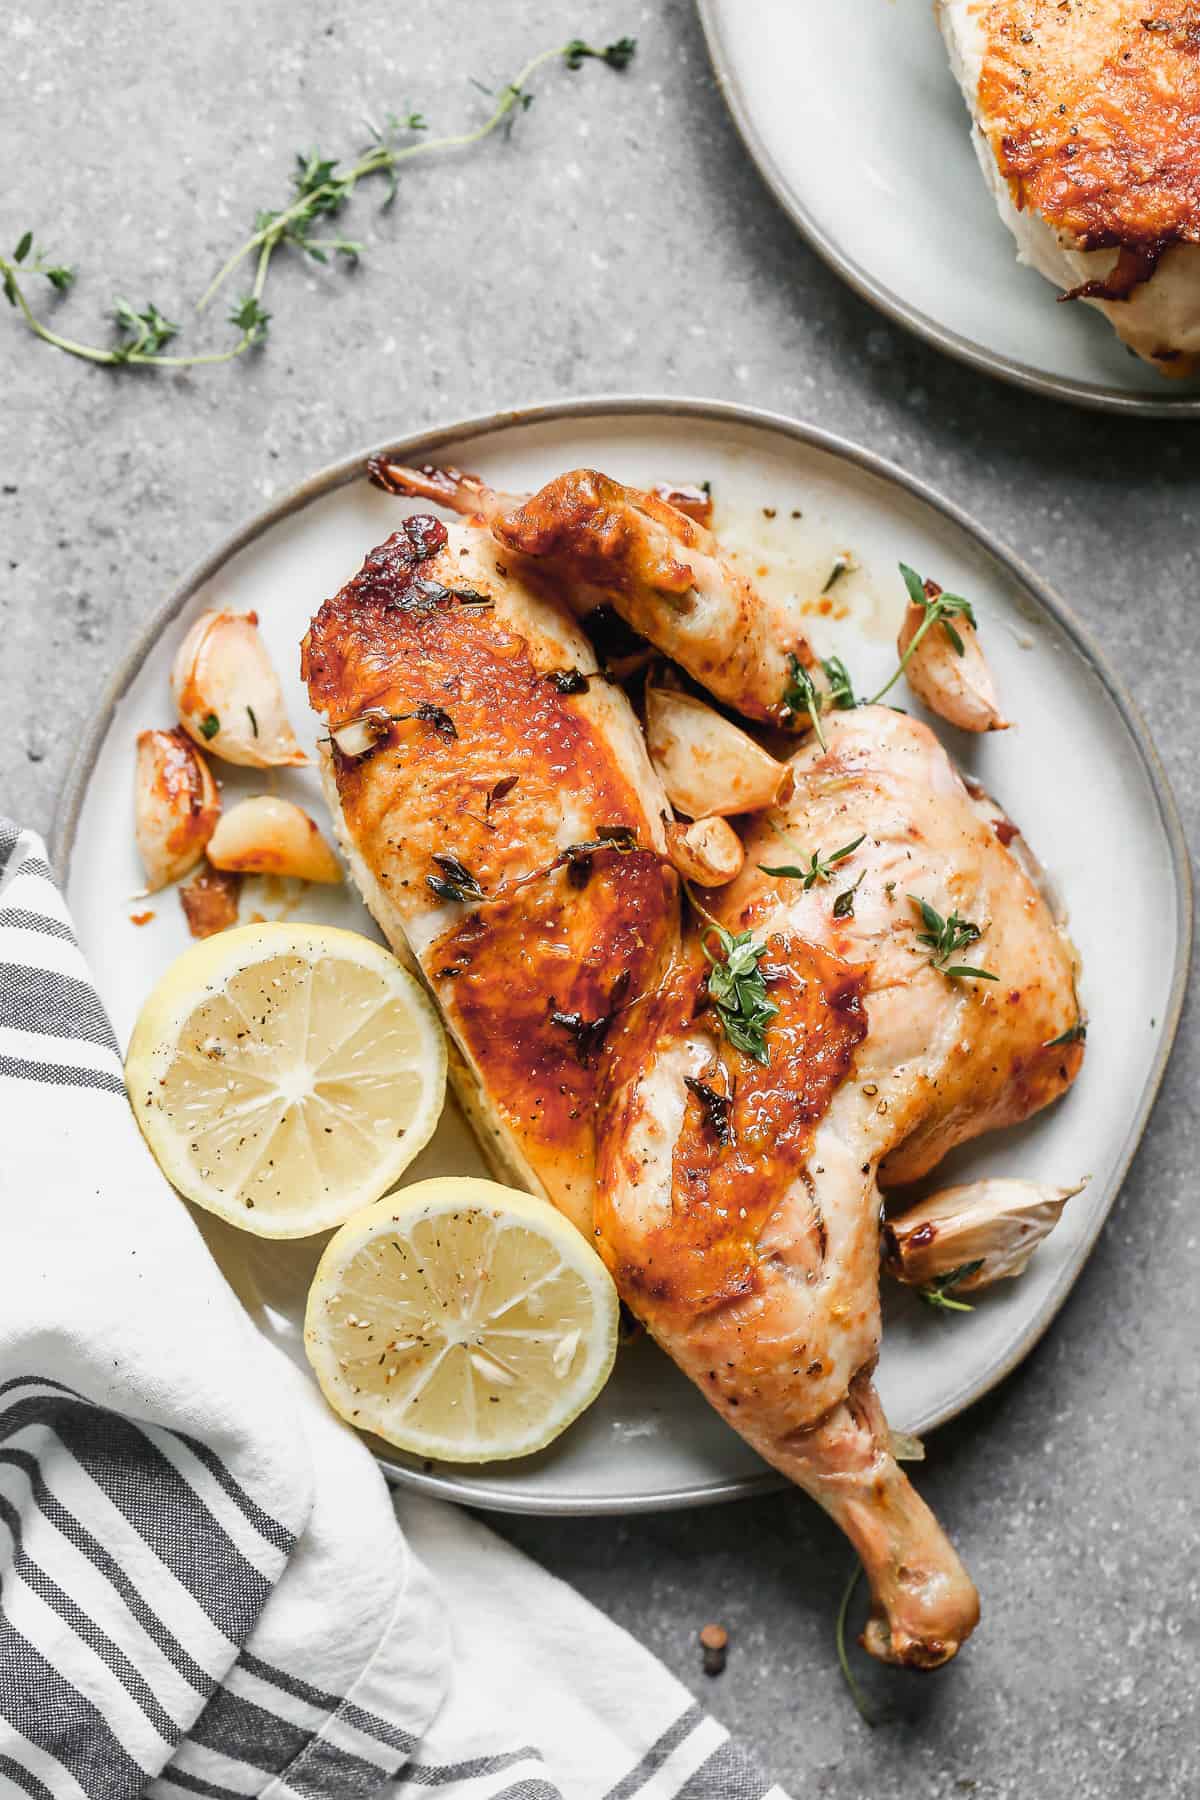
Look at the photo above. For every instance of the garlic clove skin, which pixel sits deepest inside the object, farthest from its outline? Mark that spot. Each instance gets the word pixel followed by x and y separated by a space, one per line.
pixel 176 805
pixel 267 836
pixel 998 1224
pixel 210 901
pixel 708 766
pixel 707 851
pixel 228 694
pixel 957 688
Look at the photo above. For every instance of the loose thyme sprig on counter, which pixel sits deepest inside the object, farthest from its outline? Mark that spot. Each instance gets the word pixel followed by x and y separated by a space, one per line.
pixel 321 190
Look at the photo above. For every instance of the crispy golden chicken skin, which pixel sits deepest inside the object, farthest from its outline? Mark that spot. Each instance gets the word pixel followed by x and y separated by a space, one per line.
pixel 505 825
pixel 1094 112
pixel 1087 117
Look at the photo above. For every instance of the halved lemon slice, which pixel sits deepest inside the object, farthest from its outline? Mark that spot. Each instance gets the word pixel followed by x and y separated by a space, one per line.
pixel 462 1320
pixel 284 1075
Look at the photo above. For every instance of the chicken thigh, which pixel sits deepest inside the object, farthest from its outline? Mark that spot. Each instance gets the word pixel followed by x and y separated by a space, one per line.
pixel 738 1203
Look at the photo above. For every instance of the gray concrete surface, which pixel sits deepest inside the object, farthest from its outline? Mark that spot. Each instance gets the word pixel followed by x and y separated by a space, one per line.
pixel 622 241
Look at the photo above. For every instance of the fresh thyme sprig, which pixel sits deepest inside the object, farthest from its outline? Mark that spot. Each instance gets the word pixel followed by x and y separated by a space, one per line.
pixel 738 991
pixel 940 609
pixel 944 938
pixel 936 1293
pixel 321 189
pixel 841 688
pixel 843 906
pixel 800 695
pixel 819 868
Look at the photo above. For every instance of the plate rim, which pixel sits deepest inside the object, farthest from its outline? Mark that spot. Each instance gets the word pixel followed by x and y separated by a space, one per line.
pixel 431 438
pixel 1094 396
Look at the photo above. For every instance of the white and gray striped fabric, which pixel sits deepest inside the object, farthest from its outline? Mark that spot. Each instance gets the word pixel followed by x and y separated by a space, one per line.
pixel 203 1586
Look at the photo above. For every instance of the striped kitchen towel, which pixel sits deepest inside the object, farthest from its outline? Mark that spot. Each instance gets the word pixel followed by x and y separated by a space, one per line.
pixel 203 1586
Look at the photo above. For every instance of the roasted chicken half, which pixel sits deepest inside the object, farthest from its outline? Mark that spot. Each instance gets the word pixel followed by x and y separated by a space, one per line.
pixel 499 810
pixel 1087 126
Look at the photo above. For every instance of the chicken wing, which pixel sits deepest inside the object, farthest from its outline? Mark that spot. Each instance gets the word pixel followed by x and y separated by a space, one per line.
pixel 603 544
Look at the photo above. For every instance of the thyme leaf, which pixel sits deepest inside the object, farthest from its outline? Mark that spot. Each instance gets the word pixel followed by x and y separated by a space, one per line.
pixel 944 938
pixel 456 881
pixel 843 906
pixel 500 791
pixel 937 1292
pixel 801 696
pixel 737 990
pixel 819 867
pixel 1075 1034
pixel 841 688
pixel 589 1034
pixel 617 56
pixel 842 564
pixel 438 718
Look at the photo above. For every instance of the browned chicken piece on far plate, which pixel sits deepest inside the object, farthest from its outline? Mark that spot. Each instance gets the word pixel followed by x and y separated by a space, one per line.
pixel 506 828
pixel 1087 127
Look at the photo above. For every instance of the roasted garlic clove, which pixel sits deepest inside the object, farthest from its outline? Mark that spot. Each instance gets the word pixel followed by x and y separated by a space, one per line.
pixel 266 836
pixel 957 688
pixel 709 767
pixel 707 851
pixel 228 693
pixel 988 1229
pixel 176 805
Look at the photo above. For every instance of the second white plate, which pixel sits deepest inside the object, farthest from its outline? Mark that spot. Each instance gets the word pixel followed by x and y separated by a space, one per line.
pixel 1077 773
pixel 856 122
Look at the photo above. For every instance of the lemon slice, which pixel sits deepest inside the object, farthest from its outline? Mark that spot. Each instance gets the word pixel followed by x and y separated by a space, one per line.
pixel 461 1320
pixel 284 1075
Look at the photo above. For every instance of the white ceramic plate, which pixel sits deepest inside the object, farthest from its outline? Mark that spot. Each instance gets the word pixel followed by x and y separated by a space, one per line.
pixel 1079 755
pixel 856 122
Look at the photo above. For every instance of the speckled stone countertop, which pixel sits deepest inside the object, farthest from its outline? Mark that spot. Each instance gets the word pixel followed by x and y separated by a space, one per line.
pixel 621 241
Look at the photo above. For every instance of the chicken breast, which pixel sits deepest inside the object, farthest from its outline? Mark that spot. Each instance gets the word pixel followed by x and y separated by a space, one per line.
pixel 505 828
pixel 1087 127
